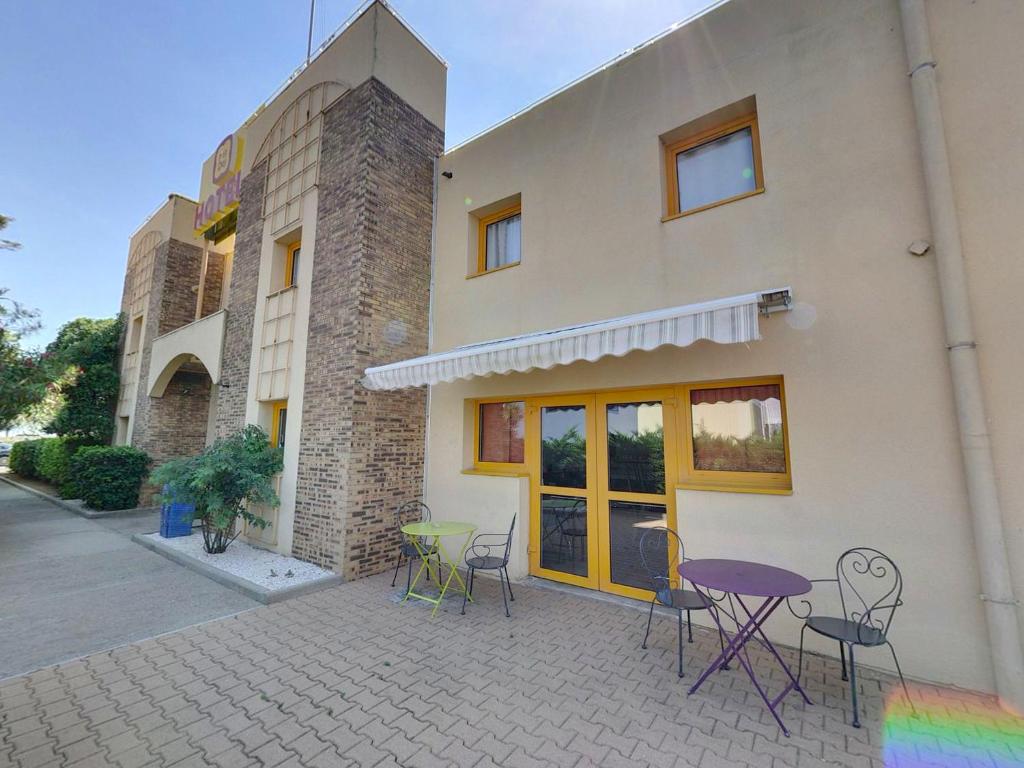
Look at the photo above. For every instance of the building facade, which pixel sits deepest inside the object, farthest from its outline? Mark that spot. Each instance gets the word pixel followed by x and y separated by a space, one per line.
pixel 705 286
pixel 306 257
pixel 756 178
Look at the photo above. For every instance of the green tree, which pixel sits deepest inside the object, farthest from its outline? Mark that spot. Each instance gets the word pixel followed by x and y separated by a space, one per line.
pixel 22 383
pixel 82 369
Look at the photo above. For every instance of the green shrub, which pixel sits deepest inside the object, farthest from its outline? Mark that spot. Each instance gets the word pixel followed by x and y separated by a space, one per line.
pixel 109 477
pixel 233 473
pixel 24 459
pixel 54 466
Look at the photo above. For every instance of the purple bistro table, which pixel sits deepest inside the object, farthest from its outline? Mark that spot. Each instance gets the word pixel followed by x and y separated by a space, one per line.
pixel 737 578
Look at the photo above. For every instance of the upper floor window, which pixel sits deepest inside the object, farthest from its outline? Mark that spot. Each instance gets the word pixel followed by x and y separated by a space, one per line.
pixel 291 266
pixel 500 242
pixel 715 166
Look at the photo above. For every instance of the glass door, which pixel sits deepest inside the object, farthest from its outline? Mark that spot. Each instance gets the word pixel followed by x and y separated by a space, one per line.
pixel 563 537
pixel 636 470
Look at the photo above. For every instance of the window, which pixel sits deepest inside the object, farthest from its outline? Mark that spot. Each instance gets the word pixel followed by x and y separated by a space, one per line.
pixel 735 436
pixel 500 241
pixel 501 429
pixel 716 166
pixel 291 265
pixel 278 423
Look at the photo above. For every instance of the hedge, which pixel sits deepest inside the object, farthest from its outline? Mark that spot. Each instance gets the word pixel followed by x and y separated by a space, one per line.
pixel 24 459
pixel 109 477
pixel 53 464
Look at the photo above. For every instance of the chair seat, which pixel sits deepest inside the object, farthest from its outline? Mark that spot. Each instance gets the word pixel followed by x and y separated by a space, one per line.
pixel 408 550
pixel 685 599
pixel 846 631
pixel 485 563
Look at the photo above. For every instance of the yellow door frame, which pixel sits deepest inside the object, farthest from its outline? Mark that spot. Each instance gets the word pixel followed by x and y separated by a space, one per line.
pixel 534 406
pixel 597 495
pixel 666 396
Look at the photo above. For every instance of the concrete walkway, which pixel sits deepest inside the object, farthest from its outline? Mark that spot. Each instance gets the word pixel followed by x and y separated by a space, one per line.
pixel 349 676
pixel 71 586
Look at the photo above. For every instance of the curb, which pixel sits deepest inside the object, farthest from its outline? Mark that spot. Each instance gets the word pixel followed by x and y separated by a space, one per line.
pixel 77 505
pixel 247 588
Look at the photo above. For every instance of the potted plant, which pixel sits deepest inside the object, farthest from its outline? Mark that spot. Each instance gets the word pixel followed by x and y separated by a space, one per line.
pixel 223 482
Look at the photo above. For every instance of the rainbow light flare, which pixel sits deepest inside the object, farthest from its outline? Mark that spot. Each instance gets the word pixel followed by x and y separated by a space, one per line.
pixel 950 729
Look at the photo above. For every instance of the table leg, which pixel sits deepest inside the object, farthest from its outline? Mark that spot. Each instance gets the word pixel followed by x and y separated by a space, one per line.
pixel 794 682
pixel 736 649
pixel 454 572
pixel 424 563
pixel 732 647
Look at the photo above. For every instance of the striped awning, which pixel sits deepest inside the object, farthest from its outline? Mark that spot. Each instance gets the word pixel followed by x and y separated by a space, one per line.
pixel 730 320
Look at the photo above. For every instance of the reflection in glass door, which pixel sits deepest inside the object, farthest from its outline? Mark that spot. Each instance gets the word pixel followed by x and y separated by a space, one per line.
pixel 563 541
pixel 636 485
pixel 602 471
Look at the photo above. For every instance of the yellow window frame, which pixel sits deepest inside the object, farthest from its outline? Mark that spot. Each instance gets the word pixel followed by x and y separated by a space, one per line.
pixel 497 467
pixel 481 253
pixel 705 137
pixel 735 482
pixel 289 263
pixel 275 419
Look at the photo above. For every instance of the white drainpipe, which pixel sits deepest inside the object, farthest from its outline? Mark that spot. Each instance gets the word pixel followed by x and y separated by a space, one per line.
pixel 1001 607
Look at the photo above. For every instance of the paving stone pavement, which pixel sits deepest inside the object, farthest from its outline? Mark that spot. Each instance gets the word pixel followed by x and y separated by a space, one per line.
pixel 351 677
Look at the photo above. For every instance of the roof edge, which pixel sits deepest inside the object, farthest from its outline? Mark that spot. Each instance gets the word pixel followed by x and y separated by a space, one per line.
pixel 587 75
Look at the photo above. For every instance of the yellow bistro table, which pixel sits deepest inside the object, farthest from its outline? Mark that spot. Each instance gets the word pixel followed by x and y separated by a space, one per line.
pixel 416 533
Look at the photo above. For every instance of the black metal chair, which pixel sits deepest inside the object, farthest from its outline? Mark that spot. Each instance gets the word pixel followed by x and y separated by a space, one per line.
pixel 661 552
pixel 572 526
pixel 483 557
pixel 870 590
pixel 407 513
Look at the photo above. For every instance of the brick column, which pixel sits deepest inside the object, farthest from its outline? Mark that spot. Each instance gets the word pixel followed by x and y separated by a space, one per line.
pixel 361 453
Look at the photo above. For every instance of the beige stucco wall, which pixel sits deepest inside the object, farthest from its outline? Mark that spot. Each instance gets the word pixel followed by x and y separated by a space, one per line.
pixel 873 439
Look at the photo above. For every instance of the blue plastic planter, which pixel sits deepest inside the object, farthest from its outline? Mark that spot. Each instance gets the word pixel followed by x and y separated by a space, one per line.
pixel 176 519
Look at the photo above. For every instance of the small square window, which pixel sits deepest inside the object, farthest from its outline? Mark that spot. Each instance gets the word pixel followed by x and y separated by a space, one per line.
pixel 714 167
pixel 500 240
pixel 501 430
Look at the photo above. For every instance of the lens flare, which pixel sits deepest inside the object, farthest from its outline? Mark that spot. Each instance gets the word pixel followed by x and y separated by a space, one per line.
pixel 949 731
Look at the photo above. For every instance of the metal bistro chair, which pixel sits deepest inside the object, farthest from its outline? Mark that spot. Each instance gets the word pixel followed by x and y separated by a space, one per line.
pixel 572 526
pixel 407 513
pixel 870 588
pixel 661 551
pixel 481 558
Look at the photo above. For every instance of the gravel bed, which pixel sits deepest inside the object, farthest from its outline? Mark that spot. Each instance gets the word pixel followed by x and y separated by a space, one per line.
pixel 266 569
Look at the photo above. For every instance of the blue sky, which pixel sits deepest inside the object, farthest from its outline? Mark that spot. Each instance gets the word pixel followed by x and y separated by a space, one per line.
pixel 109 106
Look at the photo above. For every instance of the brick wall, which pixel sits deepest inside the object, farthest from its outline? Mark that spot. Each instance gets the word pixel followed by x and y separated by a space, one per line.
pixel 245 273
pixel 361 453
pixel 179 286
pixel 173 425
pixel 213 283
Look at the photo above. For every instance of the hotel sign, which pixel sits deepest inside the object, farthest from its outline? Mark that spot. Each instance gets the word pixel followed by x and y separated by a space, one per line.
pixel 225 180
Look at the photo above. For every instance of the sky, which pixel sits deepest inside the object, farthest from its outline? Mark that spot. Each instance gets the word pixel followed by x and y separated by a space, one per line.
pixel 107 107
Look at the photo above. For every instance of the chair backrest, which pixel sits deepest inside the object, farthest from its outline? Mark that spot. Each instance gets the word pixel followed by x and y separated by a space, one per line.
pixel 411 512
pixel 661 552
pixel 508 541
pixel 870 587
